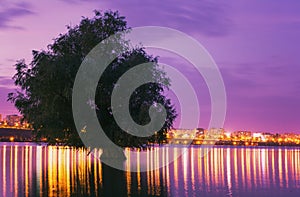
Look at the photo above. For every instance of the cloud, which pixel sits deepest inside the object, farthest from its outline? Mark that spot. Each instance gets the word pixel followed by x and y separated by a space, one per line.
pixel 11 11
pixel 272 80
pixel 206 17
pixel 7 83
pixel 210 18
pixel 5 106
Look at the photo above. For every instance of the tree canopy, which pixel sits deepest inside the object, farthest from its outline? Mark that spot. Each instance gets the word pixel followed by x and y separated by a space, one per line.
pixel 45 85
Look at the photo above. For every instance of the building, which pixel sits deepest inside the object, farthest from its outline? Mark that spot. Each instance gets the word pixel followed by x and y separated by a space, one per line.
pixel 267 136
pixel 200 132
pixel 0 117
pixel 13 120
pixel 182 133
pixel 214 133
pixel 244 135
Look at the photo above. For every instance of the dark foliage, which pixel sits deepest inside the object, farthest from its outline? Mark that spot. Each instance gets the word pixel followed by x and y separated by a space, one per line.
pixel 45 95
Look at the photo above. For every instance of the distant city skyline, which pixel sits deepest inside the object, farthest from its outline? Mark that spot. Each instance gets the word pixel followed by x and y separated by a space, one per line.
pixel 255 44
pixel 223 130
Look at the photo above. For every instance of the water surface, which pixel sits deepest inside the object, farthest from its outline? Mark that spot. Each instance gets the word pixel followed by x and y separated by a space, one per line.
pixel 32 170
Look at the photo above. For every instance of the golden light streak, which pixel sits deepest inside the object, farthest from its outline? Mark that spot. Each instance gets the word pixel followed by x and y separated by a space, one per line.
pixel 206 169
pixel 26 171
pixel 100 170
pixel 243 167
pixel 184 158
pixel 63 170
pixel 128 174
pixel 61 176
pixel 156 171
pixel 95 173
pixel 254 177
pixel 176 181
pixel 222 167
pixel 138 172
pixel 229 186
pixel 39 169
pixel 16 171
pixel 280 167
pixel 248 169
pixel 68 173
pixel 4 170
pixel 286 167
pixel 192 162
pixel 200 174
pixel 273 164
pixel 235 165
pixel 168 171
pixel 258 164
pixel 30 166
pixel 11 169
pixel 263 165
pixel 215 165
pixel 148 171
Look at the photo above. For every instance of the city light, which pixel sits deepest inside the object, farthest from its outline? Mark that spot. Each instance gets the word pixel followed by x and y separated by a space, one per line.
pixel 201 136
pixel 14 122
pixel 197 136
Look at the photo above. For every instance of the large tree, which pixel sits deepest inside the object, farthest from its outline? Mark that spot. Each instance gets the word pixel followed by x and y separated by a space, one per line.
pixel 45 85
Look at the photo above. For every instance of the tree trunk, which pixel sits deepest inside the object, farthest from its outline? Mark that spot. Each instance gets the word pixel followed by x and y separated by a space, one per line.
pixel 116 154
pixel 114 182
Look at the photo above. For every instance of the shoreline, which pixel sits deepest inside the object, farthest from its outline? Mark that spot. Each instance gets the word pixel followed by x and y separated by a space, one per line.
pixel 218 143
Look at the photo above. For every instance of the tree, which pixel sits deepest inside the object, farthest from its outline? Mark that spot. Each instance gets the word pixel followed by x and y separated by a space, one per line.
pixel 45 95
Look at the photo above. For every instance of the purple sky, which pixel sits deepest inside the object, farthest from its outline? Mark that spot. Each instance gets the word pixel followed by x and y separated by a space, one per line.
pixel 255 44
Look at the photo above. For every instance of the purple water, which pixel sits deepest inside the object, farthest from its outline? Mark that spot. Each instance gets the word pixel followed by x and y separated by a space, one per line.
pixel 31 170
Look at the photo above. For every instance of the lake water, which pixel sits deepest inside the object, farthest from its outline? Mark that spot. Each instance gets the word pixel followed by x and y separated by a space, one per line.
pixel 31 170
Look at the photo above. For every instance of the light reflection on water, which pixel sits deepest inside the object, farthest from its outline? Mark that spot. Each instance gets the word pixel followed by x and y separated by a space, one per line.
pixel 31 170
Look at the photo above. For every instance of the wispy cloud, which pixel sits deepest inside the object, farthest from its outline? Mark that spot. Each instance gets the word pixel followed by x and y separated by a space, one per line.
pixel 211 18
pixel 6 107
pixel 7 83
pixel 262 79
pixel 11 11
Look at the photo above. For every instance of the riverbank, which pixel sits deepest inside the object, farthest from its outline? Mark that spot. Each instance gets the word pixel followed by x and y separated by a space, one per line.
pixel 18 135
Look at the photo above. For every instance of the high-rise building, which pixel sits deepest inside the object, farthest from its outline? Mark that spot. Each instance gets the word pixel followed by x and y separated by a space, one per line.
pixel 242 134
pixel 200 132
pixel 0 117
pixel 13 120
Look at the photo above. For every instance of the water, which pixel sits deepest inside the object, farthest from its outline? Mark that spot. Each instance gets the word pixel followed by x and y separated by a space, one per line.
pixel 31 170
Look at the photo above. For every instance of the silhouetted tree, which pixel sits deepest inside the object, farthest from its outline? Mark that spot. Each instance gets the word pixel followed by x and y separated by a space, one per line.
pixel 45 95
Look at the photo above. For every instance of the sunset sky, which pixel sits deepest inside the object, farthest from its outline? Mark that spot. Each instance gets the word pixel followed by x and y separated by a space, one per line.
pixel 255 44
